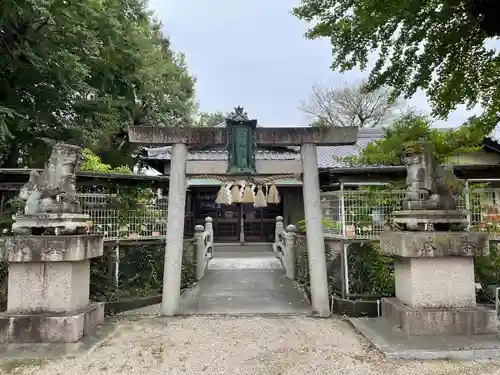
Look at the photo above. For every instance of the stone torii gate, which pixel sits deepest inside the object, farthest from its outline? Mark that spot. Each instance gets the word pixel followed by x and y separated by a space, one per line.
pixel 241 137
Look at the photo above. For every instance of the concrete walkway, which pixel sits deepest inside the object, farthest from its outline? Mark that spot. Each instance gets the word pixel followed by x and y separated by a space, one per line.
pixel 245 280
pixel 241 280
pixel 245 291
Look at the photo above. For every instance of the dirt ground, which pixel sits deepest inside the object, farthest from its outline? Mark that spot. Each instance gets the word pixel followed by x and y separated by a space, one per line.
pixel 251 345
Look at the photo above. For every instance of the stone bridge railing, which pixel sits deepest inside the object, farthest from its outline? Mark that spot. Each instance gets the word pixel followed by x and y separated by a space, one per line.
pixel 284 240
pixel 204 237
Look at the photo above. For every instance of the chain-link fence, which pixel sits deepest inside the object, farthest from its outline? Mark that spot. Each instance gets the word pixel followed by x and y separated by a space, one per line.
pixel 364 213
pixel 359 216
pixel 370 273
pixel 147 221
pixel 126 272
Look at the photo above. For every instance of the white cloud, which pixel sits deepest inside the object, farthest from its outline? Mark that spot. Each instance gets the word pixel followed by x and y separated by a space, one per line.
pixel 252 53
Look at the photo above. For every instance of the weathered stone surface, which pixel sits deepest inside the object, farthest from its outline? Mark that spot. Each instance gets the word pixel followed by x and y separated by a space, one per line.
pixel 430 220
pixel 50 224
pixel 426 187
pixel 446 282
pixel 152 135
pixel 434 244
pixel 36 287
pixel 50 328
pixel 427 322
pixel 320 136
pixel 53 190
pixel 53 248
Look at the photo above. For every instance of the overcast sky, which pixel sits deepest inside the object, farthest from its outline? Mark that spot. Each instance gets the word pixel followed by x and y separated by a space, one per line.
pixel 253 54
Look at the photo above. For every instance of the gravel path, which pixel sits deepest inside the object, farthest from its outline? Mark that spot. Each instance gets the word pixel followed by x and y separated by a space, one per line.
pixel 251 345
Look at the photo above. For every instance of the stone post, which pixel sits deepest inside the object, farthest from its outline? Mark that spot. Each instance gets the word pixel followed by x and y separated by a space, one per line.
pixel 199 233
pixel 314 230
pixel 175 231
pixel 290 251
pixel 210 229
pixel 277 231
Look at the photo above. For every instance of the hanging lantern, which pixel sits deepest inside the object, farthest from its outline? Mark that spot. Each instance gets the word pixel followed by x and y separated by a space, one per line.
pixel 235 194
pixel 273 196
pixel 223 196
pixel 260 198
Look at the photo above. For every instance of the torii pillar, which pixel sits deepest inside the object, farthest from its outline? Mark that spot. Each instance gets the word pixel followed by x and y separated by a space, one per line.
pixel 197 137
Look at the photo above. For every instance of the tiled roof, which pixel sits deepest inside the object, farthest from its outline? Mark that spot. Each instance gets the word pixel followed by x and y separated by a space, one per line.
pixel 327 155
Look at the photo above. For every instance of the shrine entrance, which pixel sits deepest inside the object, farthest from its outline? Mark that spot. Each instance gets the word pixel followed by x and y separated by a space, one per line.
pixel 245 183
pixel 238 222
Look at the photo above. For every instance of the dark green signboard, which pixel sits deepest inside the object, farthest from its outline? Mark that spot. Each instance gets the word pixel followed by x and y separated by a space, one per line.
pixel 241 145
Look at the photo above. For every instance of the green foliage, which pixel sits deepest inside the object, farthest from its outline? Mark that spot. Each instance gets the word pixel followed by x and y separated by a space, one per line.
pixel 438 46
pixel 93 163
pixel 207 119
pixel 13 206
pixel 328 224
pixel 301 261
pixel 390 149
pixel 487 267
pixel 302 271
pixel 140 272
pixel 80 72
pixel 126 202
pixel 370 272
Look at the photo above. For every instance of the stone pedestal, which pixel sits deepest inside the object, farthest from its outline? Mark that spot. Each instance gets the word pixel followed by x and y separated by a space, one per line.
pixel 48 289
pixel 435 289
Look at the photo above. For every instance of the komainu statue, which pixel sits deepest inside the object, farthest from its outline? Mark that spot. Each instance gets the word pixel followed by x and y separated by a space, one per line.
pixel 53 190
pixel 430 200
pixel 426 185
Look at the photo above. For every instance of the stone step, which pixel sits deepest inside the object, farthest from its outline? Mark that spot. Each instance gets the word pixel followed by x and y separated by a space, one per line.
pixel 227 253
pixel 244 263
pixel 264 250
pixel 249 247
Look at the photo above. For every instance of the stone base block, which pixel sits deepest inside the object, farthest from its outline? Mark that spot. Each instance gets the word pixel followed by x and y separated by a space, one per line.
pixel 20 249
pixel 434 244
pixel 42 287
pixel 435 269
pixel 50 327
pixel 397 345
pixel 431 322
pixel 435 283
pixel 50 273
